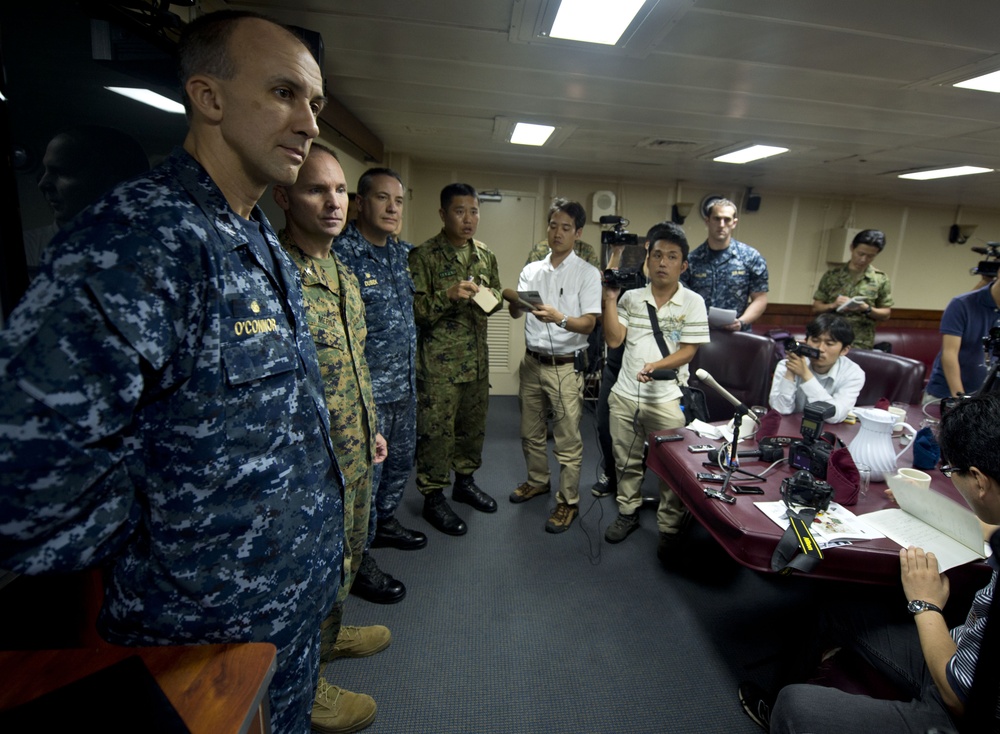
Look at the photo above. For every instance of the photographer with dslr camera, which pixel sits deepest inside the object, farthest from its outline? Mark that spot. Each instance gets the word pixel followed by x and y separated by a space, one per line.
pixel 949 675
pixel 815 373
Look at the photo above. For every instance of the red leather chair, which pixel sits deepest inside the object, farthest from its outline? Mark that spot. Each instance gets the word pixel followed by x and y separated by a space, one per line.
pixel 888 376
pixel 741 362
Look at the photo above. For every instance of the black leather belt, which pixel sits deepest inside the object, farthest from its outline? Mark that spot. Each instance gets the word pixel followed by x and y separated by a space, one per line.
pixel 551 359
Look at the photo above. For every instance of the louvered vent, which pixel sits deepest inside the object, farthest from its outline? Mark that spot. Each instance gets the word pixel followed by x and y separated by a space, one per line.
pixel 498 339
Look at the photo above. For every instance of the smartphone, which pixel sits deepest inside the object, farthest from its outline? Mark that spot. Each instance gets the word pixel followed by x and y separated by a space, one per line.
pixel 701 448
pixel 704 476
pixel 529 299
pixel 743 489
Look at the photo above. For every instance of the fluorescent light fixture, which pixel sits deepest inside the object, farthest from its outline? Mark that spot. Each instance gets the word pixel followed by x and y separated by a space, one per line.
pixel 944 173
pixel 594 21
pixel 149 97
pixel 753 153
pixel 985 83
pixel 527 134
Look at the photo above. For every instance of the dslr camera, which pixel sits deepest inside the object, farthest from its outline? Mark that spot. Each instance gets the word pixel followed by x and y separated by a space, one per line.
pixel 617 235
pixel 803 489
pixel 812 453
pixel 803 350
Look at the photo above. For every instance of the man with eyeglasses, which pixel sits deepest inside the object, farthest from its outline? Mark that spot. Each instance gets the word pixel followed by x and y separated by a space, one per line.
pixel 950 675
pixel 639 404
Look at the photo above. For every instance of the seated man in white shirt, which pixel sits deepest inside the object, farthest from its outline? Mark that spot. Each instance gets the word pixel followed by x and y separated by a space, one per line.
pixel 828 378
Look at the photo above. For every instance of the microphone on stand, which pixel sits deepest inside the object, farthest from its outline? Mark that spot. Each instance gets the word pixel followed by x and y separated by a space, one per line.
pixel 730 398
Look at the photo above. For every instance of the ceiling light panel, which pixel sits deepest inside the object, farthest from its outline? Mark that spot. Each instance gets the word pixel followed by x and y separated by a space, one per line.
pixel 526 133
pixel 753 153
pixel 944 173
pixel 594 21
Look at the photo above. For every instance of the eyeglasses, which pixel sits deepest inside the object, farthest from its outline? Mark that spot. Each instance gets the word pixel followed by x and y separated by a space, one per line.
pixel 948 470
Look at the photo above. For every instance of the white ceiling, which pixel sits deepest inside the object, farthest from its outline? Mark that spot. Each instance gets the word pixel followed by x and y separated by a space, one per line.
pixel 853 88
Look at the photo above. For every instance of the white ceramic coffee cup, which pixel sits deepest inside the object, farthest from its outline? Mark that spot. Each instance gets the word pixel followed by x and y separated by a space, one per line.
pixel 914 476
pixel 899 415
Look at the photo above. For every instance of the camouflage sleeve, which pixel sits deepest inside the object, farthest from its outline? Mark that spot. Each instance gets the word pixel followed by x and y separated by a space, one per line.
pixel 884 293
pixel 497 290
pixel 70 379
pixel 758 273
pixel 429 305
pixel 588 253
pixel 538 251
pixel 824 293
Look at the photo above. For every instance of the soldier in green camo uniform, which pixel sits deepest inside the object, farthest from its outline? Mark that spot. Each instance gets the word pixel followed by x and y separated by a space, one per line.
pixel 315 207
pixel 452 358
pixel 858 277
pixel 540 250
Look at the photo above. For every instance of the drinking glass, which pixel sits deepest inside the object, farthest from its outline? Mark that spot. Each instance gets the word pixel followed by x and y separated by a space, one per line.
pixel 864 479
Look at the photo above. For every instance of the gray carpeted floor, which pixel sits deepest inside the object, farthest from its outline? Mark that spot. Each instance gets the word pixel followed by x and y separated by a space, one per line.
pixel 512 629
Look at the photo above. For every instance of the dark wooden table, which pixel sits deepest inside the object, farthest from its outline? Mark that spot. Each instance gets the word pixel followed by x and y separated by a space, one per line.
pixel 216 689
pixel 750 537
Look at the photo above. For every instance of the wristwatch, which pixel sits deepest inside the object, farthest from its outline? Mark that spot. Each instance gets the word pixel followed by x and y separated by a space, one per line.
pixel 919 605
pixel 565 320
pixel 869 311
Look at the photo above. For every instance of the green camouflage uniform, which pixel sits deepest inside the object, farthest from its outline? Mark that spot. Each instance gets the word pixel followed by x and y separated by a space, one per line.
pixel 336 318
pixel 874 287
pixel 452 360
pixel 581 248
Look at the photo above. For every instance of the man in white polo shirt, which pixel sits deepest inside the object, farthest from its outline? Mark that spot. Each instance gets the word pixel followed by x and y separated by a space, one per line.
pixel 551 374
pixel 638 403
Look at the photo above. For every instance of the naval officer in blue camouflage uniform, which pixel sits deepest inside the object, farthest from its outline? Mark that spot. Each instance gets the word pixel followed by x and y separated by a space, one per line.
pixel 727 273
pixel 379 260
pixel 161 407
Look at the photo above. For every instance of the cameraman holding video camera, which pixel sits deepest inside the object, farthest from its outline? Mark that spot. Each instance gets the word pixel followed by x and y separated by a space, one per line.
pixel 815 373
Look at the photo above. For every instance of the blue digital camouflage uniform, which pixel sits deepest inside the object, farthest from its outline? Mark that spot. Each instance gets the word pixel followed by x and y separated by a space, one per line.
pixel 383 274
pixel 452 361
pixel 727 278
pixel 162 413
pixel 336 316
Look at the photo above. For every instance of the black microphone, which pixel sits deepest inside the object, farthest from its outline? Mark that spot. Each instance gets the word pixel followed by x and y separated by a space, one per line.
pixel 663 373
pixel 735 401
pixel 766 453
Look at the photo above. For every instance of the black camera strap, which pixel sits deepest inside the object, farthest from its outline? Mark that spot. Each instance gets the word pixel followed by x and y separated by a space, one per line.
pixel 692 399
pixel 654 322
pixel 797 537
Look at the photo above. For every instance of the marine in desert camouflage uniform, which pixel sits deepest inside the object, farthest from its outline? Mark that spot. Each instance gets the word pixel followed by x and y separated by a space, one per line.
pixel 314 208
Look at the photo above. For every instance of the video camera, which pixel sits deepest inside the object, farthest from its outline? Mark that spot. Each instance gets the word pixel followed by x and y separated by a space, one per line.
pixel 803 350
pixel 617 235
pixel 812 453
pixel 989 267
pixel 623 278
